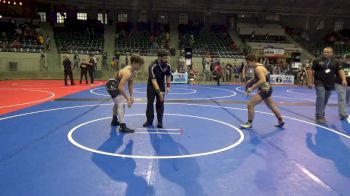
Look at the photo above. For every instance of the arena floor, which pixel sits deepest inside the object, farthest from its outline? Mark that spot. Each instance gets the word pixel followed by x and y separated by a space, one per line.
pixel 64 144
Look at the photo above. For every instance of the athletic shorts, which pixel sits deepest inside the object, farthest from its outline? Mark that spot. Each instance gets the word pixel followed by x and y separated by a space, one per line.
pixel 112 87
pixel 265 94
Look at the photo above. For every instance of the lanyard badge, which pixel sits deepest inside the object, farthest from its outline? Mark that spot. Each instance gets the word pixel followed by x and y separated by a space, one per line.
pixel 327 66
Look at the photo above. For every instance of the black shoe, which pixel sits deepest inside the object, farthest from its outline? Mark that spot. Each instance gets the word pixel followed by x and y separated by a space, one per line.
pixel 147 124
pixel 125 129
pixel 115 121
pixel 343 117
pixel 73 84
pixel 280 124
pixel 160 125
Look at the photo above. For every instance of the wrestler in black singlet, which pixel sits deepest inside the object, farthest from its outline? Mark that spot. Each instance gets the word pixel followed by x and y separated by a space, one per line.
pixel 265 90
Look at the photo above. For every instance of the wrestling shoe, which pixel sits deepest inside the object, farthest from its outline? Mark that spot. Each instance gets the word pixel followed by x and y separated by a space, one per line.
pixel 160 125
pixel 147 124
pixel 247 125
pixel 115 121
pixel 124 129
pixel 280 124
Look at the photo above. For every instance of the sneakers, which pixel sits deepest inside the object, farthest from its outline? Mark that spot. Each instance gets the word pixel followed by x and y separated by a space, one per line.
pixel 124 129
pixel 147 124
pixel 115 121
pixel 344 117
pixel 280 124
pixel 321 120
pixel 247 125
pixel 348 119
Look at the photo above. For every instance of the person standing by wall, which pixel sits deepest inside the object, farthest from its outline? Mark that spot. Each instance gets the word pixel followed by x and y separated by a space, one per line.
pixel 91 69
pixel 229 70
pixel 217 73
pixel 104 61
pixel 48 42
pixel 67 65
pixel 42 62
pixel 76 60
pixel 83 71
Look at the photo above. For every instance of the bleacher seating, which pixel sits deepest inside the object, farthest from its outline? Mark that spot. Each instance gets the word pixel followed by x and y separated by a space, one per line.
pixel 19 37
pixel 84 37
pixel 316 45
pixel 216 41
pixel 264 38
pixel 129 39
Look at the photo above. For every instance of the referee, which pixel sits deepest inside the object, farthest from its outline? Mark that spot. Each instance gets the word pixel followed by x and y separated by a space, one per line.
pixel 158 71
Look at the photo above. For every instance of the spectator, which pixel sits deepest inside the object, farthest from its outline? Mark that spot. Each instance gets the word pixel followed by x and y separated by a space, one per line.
pixel 42 62
pixel 167 37
pixel 5 45
pixel 76 60
pixel 48 42
pixel 217 73
pixel 181 64
pixel 229 70
pixel 276 70
pixel 303 76
pixel 207 67
pixel 104 61
pixel 248 73
pixel 16 44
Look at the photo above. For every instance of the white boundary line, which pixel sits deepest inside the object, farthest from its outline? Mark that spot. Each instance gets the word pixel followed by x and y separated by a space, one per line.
pixel 213 106
pixel 157 129
pixel 309 100
pixel 92 91
pixel 295 92
pixel 164 133
pixel 171 93
pixel 26 103
pixel 239 141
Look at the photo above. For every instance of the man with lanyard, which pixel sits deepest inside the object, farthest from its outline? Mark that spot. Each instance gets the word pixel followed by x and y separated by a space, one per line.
pixel 324 71
pixel 344 91
pixel 158 70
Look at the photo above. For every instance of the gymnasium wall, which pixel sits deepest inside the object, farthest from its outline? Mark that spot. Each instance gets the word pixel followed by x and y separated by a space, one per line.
pixel 25 61
pixel 271 29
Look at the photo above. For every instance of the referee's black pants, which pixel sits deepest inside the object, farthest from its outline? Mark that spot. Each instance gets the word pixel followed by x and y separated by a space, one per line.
pixel 151 95
pixel 70 74
pixel 91 74
pixel 83 72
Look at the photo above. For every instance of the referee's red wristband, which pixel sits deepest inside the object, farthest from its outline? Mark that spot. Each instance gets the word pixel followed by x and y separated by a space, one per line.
pixel 168 85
